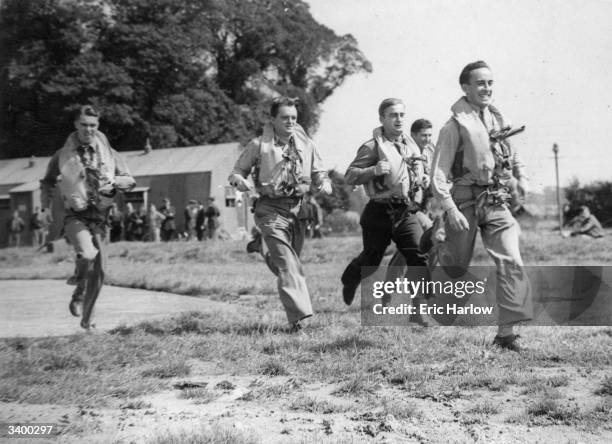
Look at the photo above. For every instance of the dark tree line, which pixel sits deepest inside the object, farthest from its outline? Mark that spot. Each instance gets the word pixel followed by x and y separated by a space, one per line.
pixel 180 72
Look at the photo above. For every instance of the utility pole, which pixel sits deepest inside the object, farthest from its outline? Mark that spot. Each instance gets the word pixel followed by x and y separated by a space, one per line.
pixel 559 211
pixel 246 200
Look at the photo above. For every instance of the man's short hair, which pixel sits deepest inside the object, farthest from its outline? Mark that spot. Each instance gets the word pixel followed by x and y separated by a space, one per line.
pixel 387 103
pixel 283 101
pixel 464 77
pixel 420 124
pixel 86 110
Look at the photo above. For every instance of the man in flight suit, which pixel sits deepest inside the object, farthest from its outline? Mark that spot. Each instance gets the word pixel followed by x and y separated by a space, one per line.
pixel 473 177
pixel 286 165
pixel 392 171
pixel 86 173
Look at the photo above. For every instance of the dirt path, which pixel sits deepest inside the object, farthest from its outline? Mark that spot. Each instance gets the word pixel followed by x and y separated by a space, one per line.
pixel 36 308
pixel 277 421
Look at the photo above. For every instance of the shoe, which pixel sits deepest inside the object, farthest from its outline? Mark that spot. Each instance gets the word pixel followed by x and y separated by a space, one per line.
pixel 76 308
pixel 348 293
pixel 295 327
pixel 255 245
pixel 427 240
pixel 508 342
pixel 87 326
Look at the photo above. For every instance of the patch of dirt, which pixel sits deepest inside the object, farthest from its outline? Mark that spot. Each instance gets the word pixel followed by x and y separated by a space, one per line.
pixel 270 416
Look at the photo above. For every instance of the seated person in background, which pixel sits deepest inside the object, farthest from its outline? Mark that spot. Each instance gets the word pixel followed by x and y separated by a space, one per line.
pixel 585 223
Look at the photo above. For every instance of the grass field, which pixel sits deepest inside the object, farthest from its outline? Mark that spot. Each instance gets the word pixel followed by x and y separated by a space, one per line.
pixel 240 377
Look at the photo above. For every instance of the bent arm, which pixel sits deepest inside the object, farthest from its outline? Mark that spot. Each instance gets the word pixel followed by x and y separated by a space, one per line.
pixel 362 168
pixel 246 161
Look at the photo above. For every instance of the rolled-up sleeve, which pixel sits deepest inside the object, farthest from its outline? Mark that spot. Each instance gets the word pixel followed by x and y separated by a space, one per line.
pixel 362 168
pixel 444 157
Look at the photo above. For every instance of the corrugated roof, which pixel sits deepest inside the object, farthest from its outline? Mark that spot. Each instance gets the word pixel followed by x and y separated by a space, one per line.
pixel 17 171
pixel 24 187
pixel 179 160
pixel 157 162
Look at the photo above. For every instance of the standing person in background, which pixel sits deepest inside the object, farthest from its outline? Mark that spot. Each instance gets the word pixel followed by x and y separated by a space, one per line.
pixel 168 229
pixel 15 227
pixel 191 215
pixel 37 227
pixel 200 221
pixel 138 223
pixel 287 164
pixel 127 218
pixel 154 223
pixel 212 218
pixel 87 173
pixel 115 222
pixel 473 174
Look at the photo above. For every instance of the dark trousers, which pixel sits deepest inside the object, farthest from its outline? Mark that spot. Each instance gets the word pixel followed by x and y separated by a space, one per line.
pixel 115 233
pixel 167 234
pixel 381 223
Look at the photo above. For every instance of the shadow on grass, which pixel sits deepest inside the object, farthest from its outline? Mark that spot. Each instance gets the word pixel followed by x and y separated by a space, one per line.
pixel 200 323
pixel 213 435
pixel 353 342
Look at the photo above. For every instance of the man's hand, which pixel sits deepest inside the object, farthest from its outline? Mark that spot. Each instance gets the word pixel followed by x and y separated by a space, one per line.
pixel 240 183
pixel 107 190
pixel 382 167
pixel 326 187
pixel 457 220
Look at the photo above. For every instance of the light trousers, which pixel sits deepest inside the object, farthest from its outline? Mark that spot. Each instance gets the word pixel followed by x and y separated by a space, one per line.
pixel 283 234
pixel 500 236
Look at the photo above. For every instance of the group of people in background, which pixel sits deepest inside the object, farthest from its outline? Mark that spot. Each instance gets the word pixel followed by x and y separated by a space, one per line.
pixel 158 224
pixel 39 228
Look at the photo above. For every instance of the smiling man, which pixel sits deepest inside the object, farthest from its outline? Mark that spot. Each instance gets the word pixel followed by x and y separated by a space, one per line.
pixel 285 164
pixel 472 177
pixel 391 168
pixel 86 173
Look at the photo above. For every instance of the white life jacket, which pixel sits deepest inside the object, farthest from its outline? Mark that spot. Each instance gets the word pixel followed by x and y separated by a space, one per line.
pixel 407 170
pixel 72 182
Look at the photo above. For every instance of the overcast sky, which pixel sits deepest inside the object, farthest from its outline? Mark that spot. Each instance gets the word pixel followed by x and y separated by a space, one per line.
pixel 551 59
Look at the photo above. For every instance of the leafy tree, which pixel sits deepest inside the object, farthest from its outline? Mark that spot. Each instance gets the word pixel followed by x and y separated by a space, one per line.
pixel 339 199
pixel 181 72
